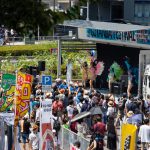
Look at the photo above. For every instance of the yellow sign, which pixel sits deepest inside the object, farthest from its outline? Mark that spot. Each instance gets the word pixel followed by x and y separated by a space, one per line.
pixel 23 92
pixel 128 137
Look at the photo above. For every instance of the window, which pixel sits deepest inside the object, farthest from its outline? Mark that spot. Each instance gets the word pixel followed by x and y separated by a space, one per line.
pixel 142 9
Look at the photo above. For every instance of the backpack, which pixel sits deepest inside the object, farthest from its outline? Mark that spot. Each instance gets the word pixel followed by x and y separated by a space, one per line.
pixel 56 125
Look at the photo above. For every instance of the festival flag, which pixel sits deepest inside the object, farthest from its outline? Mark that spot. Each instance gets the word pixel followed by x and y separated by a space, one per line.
pixel 8 90
pixel 128 137
pixel 22 94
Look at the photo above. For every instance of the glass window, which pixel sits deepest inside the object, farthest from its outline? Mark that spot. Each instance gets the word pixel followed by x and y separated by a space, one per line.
pixel 146 10
pixel 138 10
pixel 142 9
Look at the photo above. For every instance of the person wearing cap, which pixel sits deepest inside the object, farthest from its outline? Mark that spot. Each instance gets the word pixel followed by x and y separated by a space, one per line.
pixel 127 116
pixel 56 139
pixel 34 139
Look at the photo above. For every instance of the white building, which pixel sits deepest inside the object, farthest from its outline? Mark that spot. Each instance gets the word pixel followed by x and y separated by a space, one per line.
pixel 60 5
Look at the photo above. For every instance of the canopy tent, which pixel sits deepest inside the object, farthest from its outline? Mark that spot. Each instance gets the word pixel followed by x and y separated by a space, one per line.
pixel 93 111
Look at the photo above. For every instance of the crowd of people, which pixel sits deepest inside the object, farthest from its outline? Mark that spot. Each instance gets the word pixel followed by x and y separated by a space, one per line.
pixel 70 99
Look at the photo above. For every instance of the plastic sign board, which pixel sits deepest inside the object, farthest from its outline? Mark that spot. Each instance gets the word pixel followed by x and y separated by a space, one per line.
pixel 46 80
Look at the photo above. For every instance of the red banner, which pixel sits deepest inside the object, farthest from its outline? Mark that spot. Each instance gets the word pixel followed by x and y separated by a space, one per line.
pixel 22 94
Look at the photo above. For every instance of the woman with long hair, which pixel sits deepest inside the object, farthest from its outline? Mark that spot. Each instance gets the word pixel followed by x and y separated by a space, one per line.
pixel 112 134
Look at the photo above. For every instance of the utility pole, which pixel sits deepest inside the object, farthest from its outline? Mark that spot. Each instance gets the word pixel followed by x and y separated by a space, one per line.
pixel 59 58
pixel 87 15
pixel 54 5
pixel 69 4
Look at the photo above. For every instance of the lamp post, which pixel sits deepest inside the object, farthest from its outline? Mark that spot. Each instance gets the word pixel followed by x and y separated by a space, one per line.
pixel 87 10
pixel 87 16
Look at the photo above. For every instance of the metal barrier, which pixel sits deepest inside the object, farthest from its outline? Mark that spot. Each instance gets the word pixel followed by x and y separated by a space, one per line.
pixel 68 137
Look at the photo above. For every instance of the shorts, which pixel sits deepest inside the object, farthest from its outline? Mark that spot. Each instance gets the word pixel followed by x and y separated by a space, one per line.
pixel 25 138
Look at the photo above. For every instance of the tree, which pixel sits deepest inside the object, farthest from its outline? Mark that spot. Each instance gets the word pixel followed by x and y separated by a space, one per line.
pixel 27 15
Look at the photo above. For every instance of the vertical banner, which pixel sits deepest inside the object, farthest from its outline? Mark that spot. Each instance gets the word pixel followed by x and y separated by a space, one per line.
pixel 46 128
pixel 2 134
pixel 8 86
pixel 128 137
pixel 22 93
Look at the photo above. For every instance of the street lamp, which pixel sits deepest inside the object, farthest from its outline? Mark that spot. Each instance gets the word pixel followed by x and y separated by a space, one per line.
pixel 87 10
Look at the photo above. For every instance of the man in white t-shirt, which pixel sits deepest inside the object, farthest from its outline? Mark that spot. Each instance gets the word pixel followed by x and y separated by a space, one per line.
pixel 144 134
pixel 34 139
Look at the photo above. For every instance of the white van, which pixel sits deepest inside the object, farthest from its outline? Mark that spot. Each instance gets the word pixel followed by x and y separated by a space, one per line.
pixel 146 82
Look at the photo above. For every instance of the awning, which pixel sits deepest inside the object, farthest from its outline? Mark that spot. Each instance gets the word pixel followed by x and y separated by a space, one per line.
pixel 128 35
pixel 104 25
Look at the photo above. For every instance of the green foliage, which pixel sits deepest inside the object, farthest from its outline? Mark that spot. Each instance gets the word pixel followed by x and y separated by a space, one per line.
pixel 9 65
pixel 17 50
pixel 25 16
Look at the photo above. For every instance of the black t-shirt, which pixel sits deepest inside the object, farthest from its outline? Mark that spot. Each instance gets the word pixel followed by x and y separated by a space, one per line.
pixel 26 127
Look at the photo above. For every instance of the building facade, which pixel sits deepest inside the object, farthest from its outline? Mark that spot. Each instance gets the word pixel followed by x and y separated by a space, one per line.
pixel 61 5
pixel 123 11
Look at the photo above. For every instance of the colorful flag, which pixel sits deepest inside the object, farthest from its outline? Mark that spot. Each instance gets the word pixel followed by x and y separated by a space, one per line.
pixel 128 137
pixel 8 90
pixel 22 94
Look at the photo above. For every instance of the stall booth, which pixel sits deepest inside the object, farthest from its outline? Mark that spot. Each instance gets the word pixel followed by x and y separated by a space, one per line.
pixel 114 41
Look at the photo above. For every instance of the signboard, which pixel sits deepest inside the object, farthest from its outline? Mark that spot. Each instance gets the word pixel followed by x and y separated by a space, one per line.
pixel 136 38
pixel 8 118
pixel 46 128
pixel 8 85
pixel 128 137
pixel 46 83
pixel 46 80
pixel 23 93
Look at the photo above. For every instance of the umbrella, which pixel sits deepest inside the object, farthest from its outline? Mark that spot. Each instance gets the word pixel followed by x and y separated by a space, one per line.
pixel 93 111
pixel 96 111
pixel 80 116
pixel 135 119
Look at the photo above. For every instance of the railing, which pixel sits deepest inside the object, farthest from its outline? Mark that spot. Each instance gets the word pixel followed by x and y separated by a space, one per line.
pixel 68 137
pixel 35 40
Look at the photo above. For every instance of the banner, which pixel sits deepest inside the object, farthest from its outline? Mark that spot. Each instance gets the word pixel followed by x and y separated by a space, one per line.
pixel 46 131
pixel 2 134
pixel 8 86
pixel 128 137
pixel 22 93
pixel 8 118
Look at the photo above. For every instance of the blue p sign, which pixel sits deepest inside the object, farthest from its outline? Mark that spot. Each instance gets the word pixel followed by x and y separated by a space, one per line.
pixel 46 80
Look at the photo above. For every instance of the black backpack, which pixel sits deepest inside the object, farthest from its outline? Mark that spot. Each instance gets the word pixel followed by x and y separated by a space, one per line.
pixel 57 125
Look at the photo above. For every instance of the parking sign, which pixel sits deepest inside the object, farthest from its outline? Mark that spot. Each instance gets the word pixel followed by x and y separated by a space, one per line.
pixel 46 80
